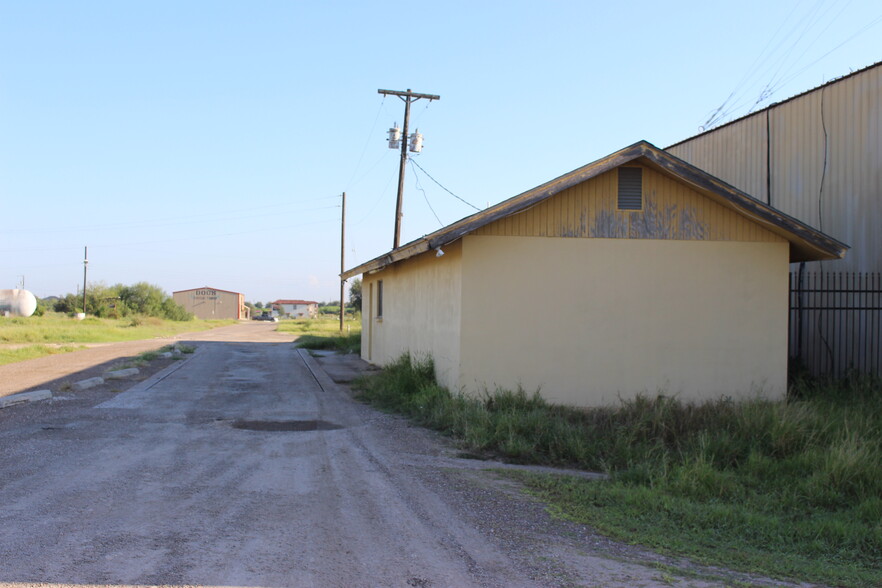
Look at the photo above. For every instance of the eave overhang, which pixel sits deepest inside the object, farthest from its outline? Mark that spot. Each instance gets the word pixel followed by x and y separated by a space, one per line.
pixel 806 243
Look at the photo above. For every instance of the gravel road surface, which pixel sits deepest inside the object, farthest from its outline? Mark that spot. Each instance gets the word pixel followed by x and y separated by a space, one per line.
pixel 247 465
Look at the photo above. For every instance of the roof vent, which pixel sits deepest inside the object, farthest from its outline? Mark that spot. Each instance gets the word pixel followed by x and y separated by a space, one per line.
pixel 630 188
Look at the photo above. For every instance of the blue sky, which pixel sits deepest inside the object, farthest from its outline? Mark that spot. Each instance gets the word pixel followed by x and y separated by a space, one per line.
pixel 207 143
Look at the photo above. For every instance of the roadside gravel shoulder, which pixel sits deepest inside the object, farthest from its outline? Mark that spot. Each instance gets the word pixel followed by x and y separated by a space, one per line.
pixel 549 551
pixel 65 397
pixel 59 372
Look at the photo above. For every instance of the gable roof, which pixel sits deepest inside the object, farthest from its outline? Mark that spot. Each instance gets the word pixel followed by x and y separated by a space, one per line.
pixel 205 288
pixel 806 243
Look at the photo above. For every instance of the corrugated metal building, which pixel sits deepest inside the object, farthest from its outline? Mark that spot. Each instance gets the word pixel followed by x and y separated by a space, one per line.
pixel 655 277
pixel 213 303
pixel 817 157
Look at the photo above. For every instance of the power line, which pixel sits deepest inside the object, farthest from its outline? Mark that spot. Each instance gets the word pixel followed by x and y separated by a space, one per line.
pixel 382 194
pixel 780 60
pixel 425 196
pixel 368 141
pixel 207 217
pixel 442 186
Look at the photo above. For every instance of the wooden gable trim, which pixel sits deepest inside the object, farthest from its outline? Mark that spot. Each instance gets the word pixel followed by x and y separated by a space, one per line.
pixel 806 243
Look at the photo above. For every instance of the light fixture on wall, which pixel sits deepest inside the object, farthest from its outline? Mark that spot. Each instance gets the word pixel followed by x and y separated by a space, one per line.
pixel 438 252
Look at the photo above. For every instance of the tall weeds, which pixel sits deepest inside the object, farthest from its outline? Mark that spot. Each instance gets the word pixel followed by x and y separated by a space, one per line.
pixel 801 476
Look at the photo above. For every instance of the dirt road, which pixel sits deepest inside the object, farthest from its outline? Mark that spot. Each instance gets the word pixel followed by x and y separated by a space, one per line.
pixel 54 371
pixel 247 465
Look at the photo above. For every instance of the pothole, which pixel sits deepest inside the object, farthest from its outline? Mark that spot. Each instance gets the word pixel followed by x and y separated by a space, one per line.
pixel 281 426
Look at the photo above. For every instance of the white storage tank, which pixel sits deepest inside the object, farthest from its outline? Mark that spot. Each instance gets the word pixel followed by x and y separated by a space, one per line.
pixel 17 303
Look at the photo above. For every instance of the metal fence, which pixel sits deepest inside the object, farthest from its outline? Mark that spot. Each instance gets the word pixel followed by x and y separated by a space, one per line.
pixel 836 322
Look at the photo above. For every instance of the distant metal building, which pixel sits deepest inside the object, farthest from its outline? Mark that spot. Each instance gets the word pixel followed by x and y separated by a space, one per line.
pixel 817 157
pixel 213 303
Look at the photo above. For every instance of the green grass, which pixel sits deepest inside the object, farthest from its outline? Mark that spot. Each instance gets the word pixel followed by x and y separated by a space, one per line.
pixel 787 489
pixel 60 328
pixel 58 333
pixel 324 333
pixel 33 352
pixel 146 357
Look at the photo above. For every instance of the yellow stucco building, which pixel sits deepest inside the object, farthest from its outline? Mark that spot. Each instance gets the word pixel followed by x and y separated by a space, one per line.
pixel 637 273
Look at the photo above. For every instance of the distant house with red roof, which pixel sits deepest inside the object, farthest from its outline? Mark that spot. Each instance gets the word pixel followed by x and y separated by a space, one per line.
pixel 296 308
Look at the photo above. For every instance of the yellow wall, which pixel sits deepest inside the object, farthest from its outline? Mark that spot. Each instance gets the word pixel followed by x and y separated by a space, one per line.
pixel 588 304
pixel 422 304
pixel 671 210
pixel 589 320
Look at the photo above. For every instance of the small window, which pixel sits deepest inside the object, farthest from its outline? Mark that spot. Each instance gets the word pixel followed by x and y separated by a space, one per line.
pixel 630 188
pixel 379 298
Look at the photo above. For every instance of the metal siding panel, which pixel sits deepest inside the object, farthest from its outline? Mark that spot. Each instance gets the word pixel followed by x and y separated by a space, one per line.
pixel 842 199
pixel 736 154
pixel 851 203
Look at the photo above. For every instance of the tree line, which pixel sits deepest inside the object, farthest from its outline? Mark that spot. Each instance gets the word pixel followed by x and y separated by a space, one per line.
pixel 120 301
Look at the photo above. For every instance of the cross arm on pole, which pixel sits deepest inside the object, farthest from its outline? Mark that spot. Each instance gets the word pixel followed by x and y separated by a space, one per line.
pixel 409 94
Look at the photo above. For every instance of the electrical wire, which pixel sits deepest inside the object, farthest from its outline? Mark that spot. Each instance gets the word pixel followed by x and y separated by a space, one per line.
pixel 419 114
pixel 751 72
pixel 382 158
pixel 420 188
pixel 869 25
pixel 376 202
pixel 232 214
pixel 215 236
pixel 784 69
pixel 442 186
pixel 139 244
pixel 366 143
pixel 780 60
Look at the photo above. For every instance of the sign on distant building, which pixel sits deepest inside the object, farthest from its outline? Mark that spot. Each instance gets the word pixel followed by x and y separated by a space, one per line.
pixel 212 303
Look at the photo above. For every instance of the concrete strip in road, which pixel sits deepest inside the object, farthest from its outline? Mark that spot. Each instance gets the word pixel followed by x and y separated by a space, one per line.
pixel 139 394
pixel 87 383
pixel 25 397
pixel 120 374
pixel 43 372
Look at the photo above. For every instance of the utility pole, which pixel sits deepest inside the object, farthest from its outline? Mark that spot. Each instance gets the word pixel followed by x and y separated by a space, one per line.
pixel 407 97
pixel 85 267
pixel 342 255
